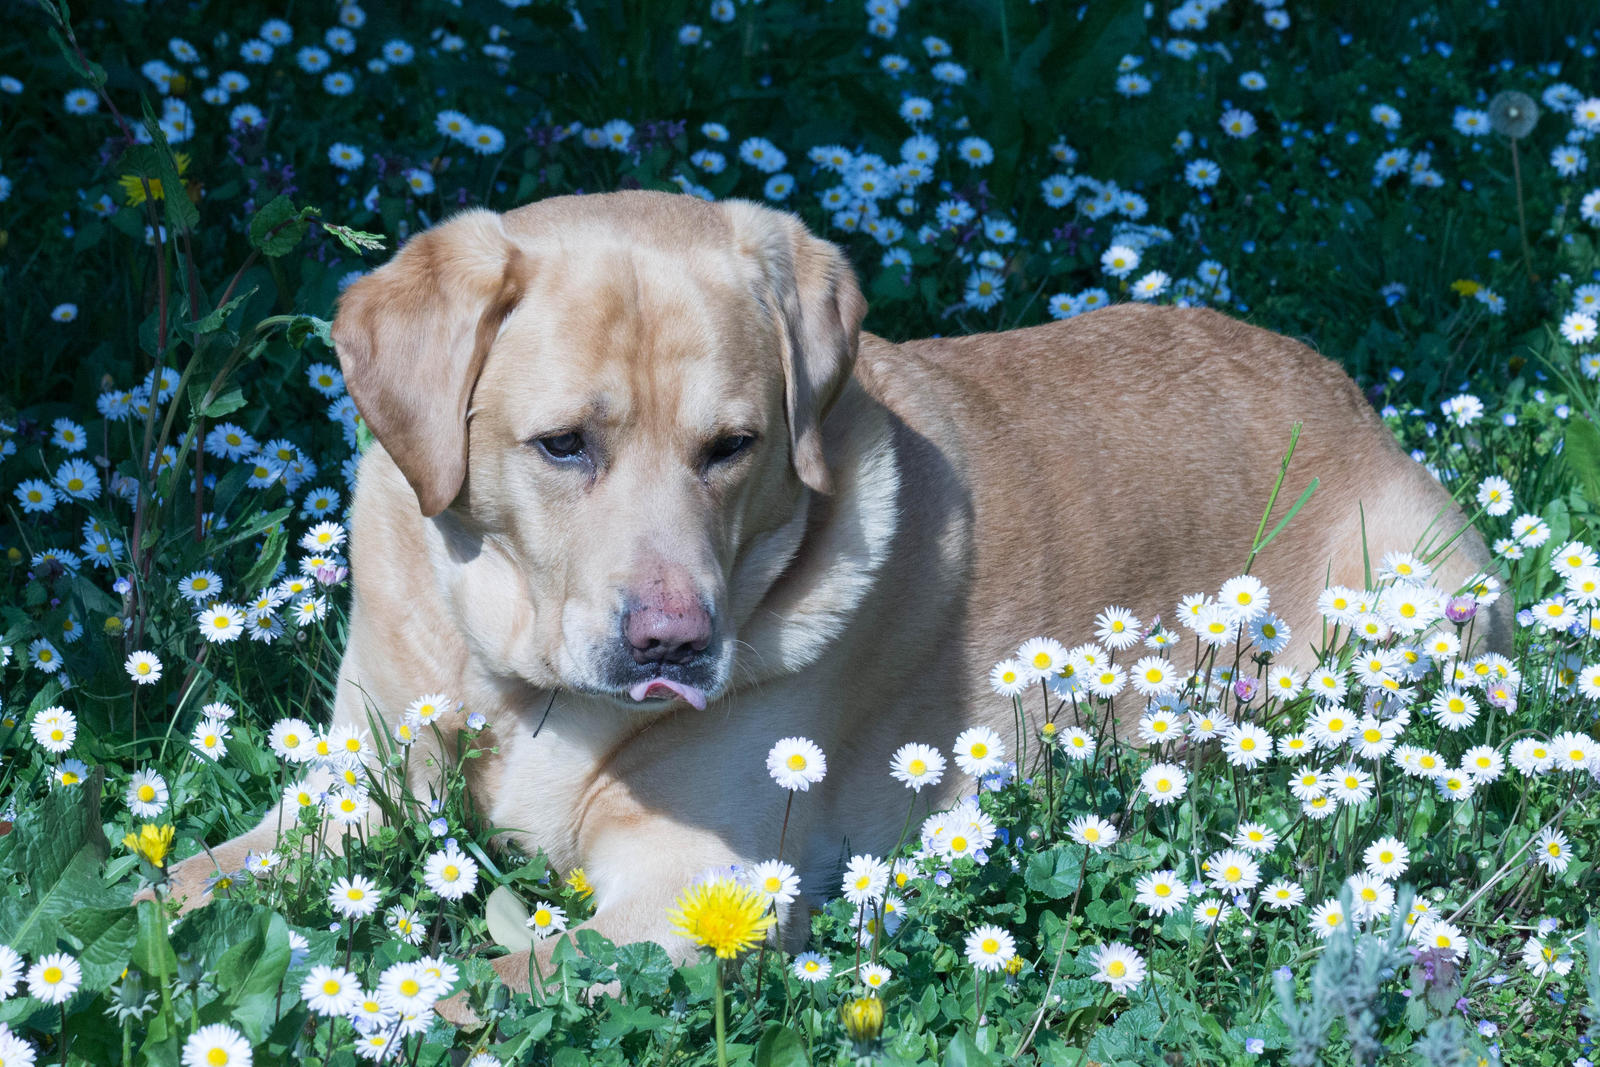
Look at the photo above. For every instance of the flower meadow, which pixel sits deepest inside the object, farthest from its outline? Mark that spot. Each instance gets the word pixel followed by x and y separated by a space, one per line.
pixel 1189 848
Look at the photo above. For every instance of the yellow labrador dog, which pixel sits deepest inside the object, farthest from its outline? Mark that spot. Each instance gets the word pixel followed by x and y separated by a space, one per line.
pixel 637 455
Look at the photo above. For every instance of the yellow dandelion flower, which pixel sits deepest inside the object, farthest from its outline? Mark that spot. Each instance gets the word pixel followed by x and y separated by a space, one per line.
pixel 578 883
pixel 722 915
pixel 862 1018
pixel 133 184
pixel 1465 286
pixel 151 843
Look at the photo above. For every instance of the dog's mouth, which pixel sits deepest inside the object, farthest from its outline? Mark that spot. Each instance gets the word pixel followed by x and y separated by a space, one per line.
pixel 659 688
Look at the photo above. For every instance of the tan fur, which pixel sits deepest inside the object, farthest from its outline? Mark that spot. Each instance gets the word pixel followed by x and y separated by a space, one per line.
pixel 982 490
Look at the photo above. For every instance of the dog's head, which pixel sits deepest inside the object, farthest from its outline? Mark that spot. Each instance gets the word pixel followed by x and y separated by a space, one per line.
pixel 613 407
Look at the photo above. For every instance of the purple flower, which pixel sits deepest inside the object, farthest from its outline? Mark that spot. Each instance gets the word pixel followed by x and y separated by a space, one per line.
pixel 1245 689
pixel 1461 609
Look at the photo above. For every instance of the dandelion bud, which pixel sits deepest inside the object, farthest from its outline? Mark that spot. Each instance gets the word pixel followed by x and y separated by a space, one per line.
pixel 863 1019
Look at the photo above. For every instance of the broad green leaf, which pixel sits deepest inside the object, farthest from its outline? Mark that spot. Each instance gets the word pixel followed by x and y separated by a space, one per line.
pixel 1057 872
pixel 780 1047
pixel 60 849
pixel 105 939
pixel 250 972
pixel 1582 451
pixel 152 951
pixel 963 1051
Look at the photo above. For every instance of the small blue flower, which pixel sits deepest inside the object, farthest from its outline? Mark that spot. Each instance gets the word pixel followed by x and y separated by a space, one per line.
pixel 438 827
pixel 477 721
pixel 1255 1046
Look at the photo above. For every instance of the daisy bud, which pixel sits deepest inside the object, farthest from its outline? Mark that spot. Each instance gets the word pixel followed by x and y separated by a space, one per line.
pixel 1461 609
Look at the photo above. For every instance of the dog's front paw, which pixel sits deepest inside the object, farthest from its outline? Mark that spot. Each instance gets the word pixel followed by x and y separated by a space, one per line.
pixel 190 884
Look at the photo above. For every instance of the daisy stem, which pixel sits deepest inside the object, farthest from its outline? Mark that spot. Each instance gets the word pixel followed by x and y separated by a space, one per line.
pixel 1022 736
pixel 977 998
pixel 784 830
pixel 722 1026
pixel 64 1042
pixel 907 827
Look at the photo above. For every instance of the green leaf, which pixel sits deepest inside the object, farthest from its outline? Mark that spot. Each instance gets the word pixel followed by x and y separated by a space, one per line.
pixel 214 321
pixel 644 969
pixel 249 974
pixel 60 849
pixel 224 404
pixel 780 1047
pixel 963 1051
pixel 105 939
pixel 304 327
pixel 152 951
pixel 1057 872
pixel 182 215
pixel 278 227
pixel 1582 451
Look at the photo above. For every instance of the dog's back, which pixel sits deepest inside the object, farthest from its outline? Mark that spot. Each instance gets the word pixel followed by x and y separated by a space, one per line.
pixel 1125 457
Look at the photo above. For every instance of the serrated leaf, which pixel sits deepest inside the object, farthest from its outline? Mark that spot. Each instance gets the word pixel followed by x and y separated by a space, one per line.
pixel 278 227
pixel 181 214
pixel 644 969
pixel 214 321
pixel 507 917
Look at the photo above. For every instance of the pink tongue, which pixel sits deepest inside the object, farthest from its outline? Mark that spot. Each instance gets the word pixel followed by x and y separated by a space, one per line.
pixel 663 687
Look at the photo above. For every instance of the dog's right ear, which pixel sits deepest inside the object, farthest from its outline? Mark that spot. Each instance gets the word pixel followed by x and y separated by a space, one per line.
pixel 412 336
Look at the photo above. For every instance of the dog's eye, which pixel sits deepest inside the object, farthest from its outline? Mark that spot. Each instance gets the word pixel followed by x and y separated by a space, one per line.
pixel 569 445
pixel 725 448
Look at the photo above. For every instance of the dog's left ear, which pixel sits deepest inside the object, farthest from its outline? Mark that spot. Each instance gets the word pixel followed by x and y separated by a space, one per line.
pixel 811 288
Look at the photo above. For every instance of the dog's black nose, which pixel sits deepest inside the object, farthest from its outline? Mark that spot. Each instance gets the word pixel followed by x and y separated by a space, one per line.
pixel 669 632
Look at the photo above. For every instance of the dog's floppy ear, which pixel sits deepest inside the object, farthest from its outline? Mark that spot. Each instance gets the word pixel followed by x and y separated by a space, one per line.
pixel 412 336
pixel 812 289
